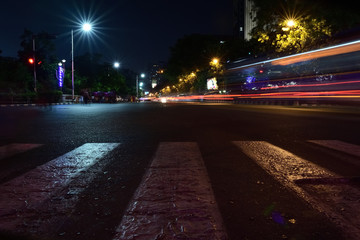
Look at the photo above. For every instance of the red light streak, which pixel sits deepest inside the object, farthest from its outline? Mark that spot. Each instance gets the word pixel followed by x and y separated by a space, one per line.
pixel 310 85
pixel 229 97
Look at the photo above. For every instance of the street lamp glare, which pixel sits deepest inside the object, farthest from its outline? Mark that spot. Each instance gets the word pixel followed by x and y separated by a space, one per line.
pixel 142 75
pixel 116 64
pixel 87 27
pixel 290 23
pixel 215 61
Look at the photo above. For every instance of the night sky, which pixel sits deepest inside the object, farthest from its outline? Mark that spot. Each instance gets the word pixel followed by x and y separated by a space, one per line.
pixel 134 32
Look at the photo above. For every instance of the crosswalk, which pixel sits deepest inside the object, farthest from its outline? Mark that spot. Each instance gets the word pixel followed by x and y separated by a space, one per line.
pixel 291 170
pixel 175 198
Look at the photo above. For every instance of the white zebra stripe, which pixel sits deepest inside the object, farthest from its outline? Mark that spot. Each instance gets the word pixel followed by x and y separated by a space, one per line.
pixel 175 199
pixel 340 202
pixel 23 196
pixel 341 146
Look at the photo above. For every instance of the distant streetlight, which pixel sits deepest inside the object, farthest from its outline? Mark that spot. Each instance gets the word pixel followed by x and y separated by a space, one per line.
pixel 289 23
pixel 63 63
pixel 116 64
pixel 87 28
pixel 215 61
pixel 142 75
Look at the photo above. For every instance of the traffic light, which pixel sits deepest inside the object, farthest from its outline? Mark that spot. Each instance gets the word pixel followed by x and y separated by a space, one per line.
pixel 32 61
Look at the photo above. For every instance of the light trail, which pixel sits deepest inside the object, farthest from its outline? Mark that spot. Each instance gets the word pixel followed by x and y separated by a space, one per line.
pixel 301 57
pixel 355 94
pixel 310 85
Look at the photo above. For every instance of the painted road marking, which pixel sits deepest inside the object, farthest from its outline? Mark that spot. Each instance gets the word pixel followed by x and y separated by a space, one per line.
pixel 340 202
pixel 175 199
pixel 16 148
pixel 341 146
pixel 24 196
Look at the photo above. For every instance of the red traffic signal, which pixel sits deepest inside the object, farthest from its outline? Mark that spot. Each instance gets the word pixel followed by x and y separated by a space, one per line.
pixel 31 60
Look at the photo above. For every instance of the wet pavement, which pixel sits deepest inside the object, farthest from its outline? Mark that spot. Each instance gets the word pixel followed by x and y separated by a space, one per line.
pixel 110 165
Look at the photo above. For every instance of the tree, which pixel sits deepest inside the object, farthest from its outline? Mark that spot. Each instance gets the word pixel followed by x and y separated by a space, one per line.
pixel 14 75
pixel 89 67
pixel 44 55
pixel 295 35
pixel 192 53
pixel 111 80
pixel 316 22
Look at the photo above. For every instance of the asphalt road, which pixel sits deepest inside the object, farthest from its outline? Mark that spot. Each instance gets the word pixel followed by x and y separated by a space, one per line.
pixel 253 202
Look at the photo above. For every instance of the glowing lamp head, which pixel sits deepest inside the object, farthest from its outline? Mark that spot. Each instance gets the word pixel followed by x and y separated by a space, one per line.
pixel 215 61
pixel 87 27
pixel 31 60
pixel 290 23
pixel 116 64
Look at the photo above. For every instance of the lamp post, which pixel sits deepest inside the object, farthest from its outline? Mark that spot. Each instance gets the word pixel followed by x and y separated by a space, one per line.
pixel 34 63
pixel 87 28
pixel 72 63
pixel 142 75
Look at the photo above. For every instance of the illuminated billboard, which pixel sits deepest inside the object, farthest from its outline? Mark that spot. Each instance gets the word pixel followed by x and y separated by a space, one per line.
pixel 212 84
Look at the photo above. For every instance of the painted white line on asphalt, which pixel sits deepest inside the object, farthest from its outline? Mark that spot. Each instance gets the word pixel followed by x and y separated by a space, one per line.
pixel 340 202
pixel 24 196
pixel 341 146
pixel 175 199
pixel 16 148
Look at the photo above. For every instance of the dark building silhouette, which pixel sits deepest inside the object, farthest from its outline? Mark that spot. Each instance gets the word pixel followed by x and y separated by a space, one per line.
pixel 243 18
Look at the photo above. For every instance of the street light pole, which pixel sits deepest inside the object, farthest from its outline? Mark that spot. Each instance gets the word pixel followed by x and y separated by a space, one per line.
pixel 72 63
pixel 137 86
pixel 142 75
pixel 87 28
pixel 33 38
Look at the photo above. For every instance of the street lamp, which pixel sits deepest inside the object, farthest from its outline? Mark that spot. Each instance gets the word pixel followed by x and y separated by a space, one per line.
pixel 215 61
pixel 116 64
pixel 288 24
pixel 87 28
pixel 142 75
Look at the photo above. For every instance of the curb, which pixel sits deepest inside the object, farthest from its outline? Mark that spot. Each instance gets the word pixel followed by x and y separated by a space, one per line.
pixel 34 104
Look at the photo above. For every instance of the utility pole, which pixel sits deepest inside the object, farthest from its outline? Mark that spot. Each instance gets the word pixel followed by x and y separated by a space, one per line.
pixel 33 40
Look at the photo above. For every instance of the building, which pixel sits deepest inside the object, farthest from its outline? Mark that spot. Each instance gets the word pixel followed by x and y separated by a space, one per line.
pixel 243 18
pixel 156 74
